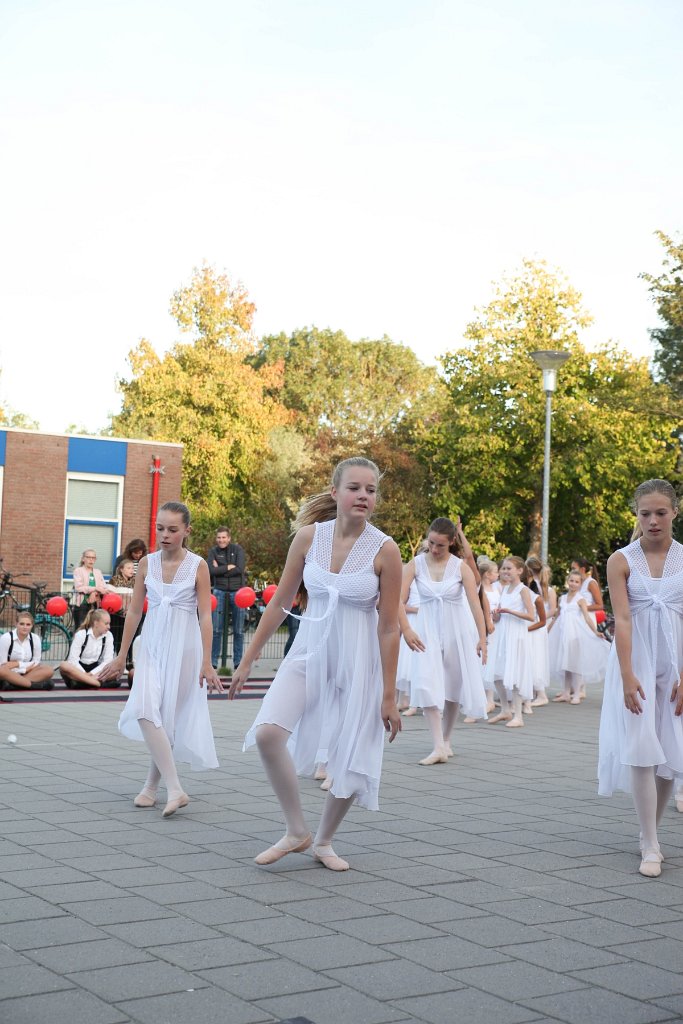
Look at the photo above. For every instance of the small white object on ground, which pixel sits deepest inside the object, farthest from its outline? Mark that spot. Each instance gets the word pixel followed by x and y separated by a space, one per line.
pixel 11 738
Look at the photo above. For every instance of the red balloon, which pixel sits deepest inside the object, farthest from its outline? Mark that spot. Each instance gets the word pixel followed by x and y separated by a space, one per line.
pixel 56 606
pixel 214 602
pixel 245 597
pixel 600 616
pixel 268 593
pixel 112 603
pixel 145 606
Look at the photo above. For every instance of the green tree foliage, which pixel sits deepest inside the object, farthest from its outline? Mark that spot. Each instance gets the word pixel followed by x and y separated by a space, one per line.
pixel 612 426
pixel 667 293
pixel 205 395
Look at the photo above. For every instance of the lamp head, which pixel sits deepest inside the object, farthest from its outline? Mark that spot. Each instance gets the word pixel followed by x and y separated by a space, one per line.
pixel 549 360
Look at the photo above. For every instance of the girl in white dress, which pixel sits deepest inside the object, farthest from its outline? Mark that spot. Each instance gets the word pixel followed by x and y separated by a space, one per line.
pixel 591 594
pixel 405 655
pixel 449 635
pixel 641 727
pixel 578 653
pixel 167 706
pixel 540 584
pixel 334 694
pixel 510 663
pixel 489 595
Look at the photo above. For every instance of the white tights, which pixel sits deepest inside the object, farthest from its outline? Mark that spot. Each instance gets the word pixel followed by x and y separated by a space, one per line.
pixel 505 703
pixel 440 728
pixel 163 764
pixel 271 741
pixel 651 794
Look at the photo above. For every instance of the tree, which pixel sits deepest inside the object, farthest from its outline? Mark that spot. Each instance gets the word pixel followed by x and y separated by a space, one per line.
pixel 667 293
pixel 359 389
pixel 612 426
pixel 205 395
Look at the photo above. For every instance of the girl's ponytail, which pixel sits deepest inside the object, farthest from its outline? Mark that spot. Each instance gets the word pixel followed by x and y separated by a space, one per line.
pixel 94 615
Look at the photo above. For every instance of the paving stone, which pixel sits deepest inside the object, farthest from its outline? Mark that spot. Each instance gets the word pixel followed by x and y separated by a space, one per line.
pixel 330 951
pixel 494 931
pixel 205 953
pixel 26 908
pixel 135 981
pixel 465 1004
pixel 642 981
pixel 29 980
pixel 47 932
pixel 516 980
pixel 593 1004
pixel 339 1005
pixel 225 910
pixel 208 1006
pixel 77 892
pixel 446 954
pixel 334 908
pixel 160 932
pixel 117 911
pixel 279 978
pixel 274 929
pixel 434 909
pixel 71 1007
pixel 386 928
pixel 600 932
pixel 393 979
pixel 79 956
pixel 632 912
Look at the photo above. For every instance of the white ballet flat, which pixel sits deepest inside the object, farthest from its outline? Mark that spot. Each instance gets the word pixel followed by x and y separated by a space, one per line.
pixel 651 864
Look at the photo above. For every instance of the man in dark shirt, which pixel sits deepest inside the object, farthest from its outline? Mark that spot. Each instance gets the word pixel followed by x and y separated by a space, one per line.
pixel 226 565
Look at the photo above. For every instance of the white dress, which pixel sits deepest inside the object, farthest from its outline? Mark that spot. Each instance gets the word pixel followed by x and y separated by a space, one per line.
pixel 328 690
pixel 166 688
pixel 405 655
pixel 510 658
pixel 448 668
pixel 574 646
pixel 493 598
pixel 655 737
pixel 539 649
pixel 587 596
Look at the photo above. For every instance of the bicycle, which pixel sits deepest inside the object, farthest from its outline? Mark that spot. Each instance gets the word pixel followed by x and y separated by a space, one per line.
pixel 55 636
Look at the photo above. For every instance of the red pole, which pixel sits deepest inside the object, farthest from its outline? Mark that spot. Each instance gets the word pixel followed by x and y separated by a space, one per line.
pixel 156 471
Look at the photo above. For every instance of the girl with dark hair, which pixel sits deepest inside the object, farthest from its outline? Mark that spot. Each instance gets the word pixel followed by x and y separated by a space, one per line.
pixel 334 694
pixel 167 706
pixel 448 635
pixel 641 727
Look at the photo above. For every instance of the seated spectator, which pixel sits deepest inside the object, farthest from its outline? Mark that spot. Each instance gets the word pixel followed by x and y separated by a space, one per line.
pixel 91 649
pixel 89 586
pixel 121 583
pixel 20 654
pixel 134 551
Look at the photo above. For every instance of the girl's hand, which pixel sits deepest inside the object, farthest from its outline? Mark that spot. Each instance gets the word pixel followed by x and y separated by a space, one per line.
pixel 497 614
pixel 113 670
pixel 677 695
pixel 239 678
pixel 12 664
pixel 391 718
pixel 482 652
pixel 213 681
pixel 413 640
pixel 633 690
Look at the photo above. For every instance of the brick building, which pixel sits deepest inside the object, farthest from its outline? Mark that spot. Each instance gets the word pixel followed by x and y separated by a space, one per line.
pixel 61 494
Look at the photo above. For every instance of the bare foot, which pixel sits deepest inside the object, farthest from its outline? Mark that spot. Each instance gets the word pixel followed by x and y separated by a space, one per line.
pixel 502 716
pixel 516 723
pixel 468 720
pixel 526 708
pixel 436 757
pixel 539 702
pixel 562 698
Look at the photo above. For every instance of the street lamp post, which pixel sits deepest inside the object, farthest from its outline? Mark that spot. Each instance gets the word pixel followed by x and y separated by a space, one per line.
pixel 549 362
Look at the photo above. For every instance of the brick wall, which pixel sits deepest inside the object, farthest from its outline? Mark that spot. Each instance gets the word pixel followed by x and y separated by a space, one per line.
pixel 33 505
pixel 137 494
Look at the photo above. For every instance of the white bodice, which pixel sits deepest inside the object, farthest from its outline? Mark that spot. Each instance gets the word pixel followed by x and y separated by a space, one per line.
pixel 660 599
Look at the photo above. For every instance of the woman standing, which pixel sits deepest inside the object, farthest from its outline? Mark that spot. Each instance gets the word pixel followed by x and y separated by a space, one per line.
pixel 334 694
pixel 641 728
pixel 89 586
pixel 448 636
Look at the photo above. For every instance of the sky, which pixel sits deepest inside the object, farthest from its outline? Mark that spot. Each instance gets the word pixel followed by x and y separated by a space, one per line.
pixel 366 166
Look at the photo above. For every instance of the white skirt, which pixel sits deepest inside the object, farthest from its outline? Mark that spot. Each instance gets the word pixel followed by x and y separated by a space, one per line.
pixel 510 657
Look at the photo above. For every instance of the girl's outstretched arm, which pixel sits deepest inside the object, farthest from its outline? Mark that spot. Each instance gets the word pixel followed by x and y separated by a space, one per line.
pixel 275 612
pixel 117 667
pixel 388 565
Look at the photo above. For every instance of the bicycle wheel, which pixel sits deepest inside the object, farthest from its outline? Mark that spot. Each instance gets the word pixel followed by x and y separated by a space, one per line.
pixel 54 639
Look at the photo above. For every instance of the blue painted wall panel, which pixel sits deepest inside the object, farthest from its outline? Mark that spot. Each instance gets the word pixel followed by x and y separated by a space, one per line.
pixel 3 446
pixel 92 455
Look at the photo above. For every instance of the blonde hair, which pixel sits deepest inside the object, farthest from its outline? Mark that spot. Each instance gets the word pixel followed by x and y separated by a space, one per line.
pixel 537 568
pixel 573 572
pixel 652 487
pixel 94 615
pixel 518 562
pixel 25 615
pixel 320 508
pixel 484 564
pixel 92 552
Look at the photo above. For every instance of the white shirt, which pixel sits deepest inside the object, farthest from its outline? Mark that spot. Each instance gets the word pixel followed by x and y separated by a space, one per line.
pixel 92 651
pixel 21 651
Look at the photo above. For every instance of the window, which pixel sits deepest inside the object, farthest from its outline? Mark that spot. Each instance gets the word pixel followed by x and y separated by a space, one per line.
pixel 93 520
